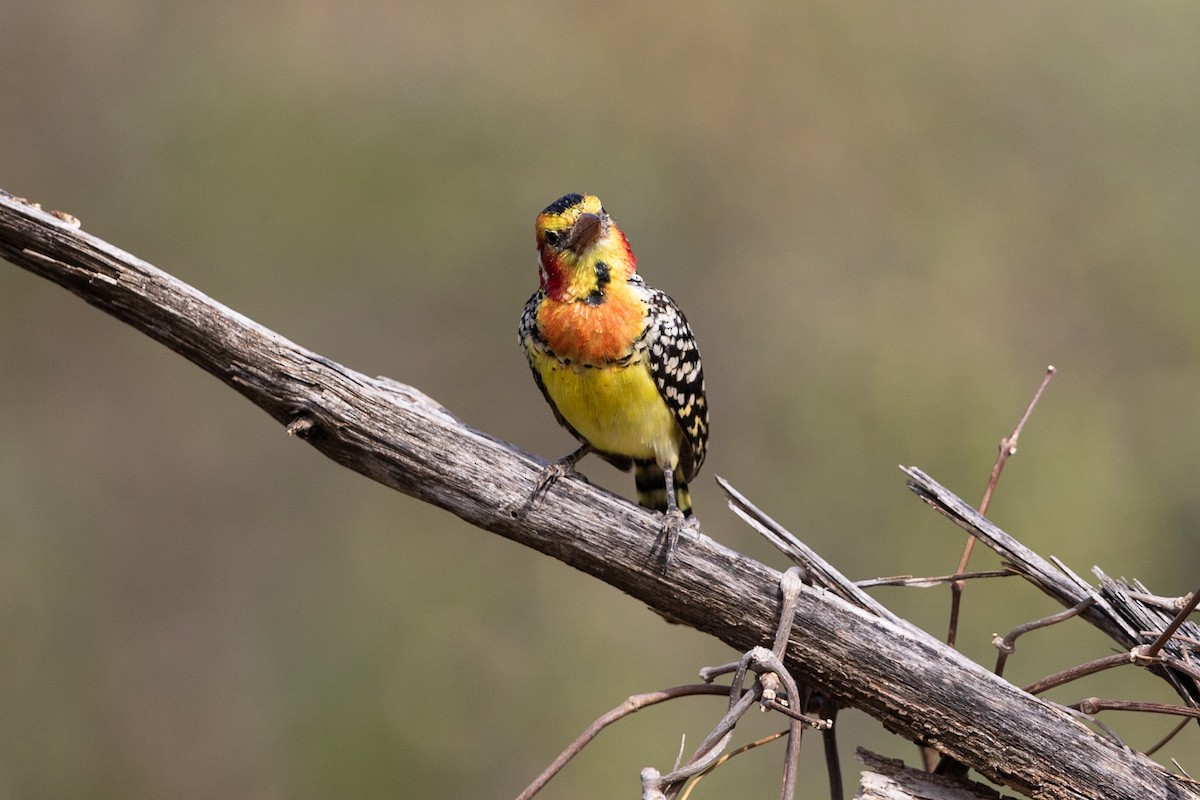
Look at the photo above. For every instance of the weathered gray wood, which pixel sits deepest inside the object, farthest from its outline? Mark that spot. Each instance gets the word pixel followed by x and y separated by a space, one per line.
pixel 394 434
pixel 1112 610
pixel 887 779
pixel 1037 570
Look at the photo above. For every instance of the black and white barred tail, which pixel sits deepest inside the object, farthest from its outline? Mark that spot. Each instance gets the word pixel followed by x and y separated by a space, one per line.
pixel 652 488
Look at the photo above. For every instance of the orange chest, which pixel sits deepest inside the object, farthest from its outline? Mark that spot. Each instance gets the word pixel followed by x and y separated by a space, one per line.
pixel 592 334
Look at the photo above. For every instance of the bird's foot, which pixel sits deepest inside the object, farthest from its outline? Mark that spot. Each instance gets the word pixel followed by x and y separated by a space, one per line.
pixel 551 473
pixel 563 468
pixel 673 522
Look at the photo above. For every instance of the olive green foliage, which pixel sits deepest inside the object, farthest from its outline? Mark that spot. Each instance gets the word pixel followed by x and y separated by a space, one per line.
pixel 883 221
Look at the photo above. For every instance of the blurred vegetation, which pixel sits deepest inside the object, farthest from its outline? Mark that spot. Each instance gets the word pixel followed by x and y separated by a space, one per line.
pixel 883 220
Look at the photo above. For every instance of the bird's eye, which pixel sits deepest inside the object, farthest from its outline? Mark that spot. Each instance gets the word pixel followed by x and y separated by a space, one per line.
pixel 552 238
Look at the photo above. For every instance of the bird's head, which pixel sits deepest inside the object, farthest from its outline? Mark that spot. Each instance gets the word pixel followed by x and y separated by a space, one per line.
pixel 578 245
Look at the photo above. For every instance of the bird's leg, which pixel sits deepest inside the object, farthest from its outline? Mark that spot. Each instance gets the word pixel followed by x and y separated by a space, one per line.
pixel 559 469
pixel 672 519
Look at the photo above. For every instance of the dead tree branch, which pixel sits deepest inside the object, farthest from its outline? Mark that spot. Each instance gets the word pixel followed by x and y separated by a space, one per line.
pixel 1112 610
pixel 392 433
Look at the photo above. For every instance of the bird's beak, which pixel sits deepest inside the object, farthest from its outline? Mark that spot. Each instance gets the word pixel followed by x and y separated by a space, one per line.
pixel 587 229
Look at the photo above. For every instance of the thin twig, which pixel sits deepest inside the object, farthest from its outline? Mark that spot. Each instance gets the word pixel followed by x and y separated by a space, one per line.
pixel 712 746
pixel 710 674
pixel 833 764
pixel 1157 645
pixel 1189 668
pixel 768 665
pixel 744 748
pixel 1161 743
pixel 791 763
pixel 1051 576
pixel 1094 705
pixel 1007 645
pixel 789 588
pixel 1080 671
pixel 632 704
pixel 1008 447
pixel 792 713
pixel 1105 731
pixel 929 582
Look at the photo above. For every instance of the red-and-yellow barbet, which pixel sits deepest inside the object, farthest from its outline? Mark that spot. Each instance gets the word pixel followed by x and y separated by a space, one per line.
pixel 615 359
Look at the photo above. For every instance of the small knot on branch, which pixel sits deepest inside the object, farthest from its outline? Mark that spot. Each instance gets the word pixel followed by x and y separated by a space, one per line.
pixel 1187 601
pixel 302 426
pixel 1144 655
pixel 770 689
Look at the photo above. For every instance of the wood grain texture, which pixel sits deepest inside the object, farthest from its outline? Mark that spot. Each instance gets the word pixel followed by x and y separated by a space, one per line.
pixel 887 779
pixel 394 434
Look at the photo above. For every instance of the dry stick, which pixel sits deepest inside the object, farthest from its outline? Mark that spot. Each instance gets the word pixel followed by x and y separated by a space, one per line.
pixel 811 569
pixel 789 587
pixel 775 704
pixel 1192 640
pixel 913 582
pixel 1054 578
pixel 766 660
pixel 712 746
pixel 1186 607
pixel 1158 601
pixel 1189 668
pixel 725 757
pixel 889 779
pixel 1104 730
pixel 1050 576
pixel 1161 743
pixel 1149 622
pixel 833 762
pixel 1094 705
pixel 632 704
pixel 1008 447
pixel 1079 671
pixel 770 671
pixel 791 762
pixel 817 570
pixel 1007 645
pixel 1157 645
pixel 398 436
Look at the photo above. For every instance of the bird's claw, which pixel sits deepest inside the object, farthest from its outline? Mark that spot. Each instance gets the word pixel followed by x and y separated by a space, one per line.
pixel 673 521
pixel 551 473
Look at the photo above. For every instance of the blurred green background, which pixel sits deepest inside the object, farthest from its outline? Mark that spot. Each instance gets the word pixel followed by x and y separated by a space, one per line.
pixel 883 221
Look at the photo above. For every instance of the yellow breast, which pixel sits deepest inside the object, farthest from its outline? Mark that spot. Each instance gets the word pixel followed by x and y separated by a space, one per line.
pixel 617 409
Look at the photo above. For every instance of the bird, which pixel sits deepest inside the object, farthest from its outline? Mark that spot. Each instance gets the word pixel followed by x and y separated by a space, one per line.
pixel 616 360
